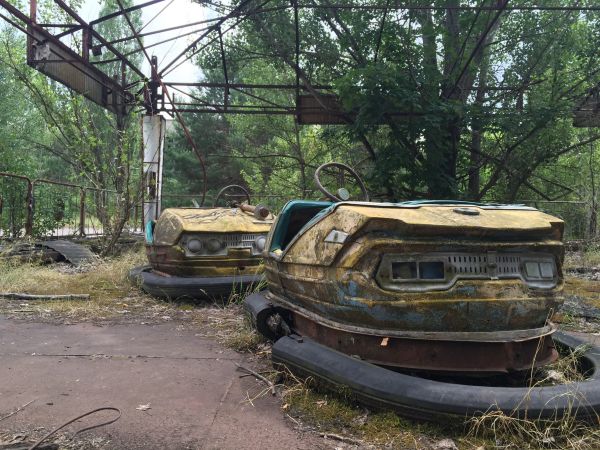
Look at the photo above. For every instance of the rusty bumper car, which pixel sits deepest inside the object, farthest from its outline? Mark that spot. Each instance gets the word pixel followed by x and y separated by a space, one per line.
pixel 204 253
pixel 359 292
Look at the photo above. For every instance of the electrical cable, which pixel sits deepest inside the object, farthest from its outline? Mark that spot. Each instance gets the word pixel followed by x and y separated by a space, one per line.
pixel 89 413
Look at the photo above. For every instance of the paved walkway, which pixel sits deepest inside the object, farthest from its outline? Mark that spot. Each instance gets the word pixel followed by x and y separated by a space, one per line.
pixel 196 397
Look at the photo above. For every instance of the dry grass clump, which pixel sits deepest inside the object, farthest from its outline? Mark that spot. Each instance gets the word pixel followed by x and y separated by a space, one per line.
pixel 511 432
pixel 111 294
pixel 567 368
pixel 334 411
pixel 230 326
pixel 567 432
pixel 104 278
pixel 587 257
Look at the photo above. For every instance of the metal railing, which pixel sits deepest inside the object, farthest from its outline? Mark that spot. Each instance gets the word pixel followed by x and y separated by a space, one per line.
pixel 579 216
pixel 272 201
pixel 49 208
pixel 16 205
pixel 54 209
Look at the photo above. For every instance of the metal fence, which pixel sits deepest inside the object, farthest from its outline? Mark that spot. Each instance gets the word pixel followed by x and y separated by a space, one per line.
pixel 16 205
pixel 48 208
pixel 579 216
pixel 272 201
pixel 56 209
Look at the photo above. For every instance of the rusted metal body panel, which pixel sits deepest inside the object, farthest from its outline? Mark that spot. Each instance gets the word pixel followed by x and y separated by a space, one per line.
pixel 502 353
pixel 169 250
pixel 175 221
pixel 343 294
pixel 438 222
pixel 173 261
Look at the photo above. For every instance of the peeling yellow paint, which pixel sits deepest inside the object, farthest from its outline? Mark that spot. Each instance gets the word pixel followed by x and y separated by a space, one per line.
pixel 337 280
pixel 174 221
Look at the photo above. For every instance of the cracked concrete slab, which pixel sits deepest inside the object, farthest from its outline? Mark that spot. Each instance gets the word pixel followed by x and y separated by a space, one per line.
pixel 196 397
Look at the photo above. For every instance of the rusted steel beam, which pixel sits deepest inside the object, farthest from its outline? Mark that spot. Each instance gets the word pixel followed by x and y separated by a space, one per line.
pixel 244 85
pixel 123 11
pixel 59 25
pixel 231 111
pixel 156 44
pixel 218 105
pixel 236 11
pixel 80 72
pixel 224 62
pixel 241 91
pixel 156 77
pixel 58 183
pixel 409 7
pixel 164 30
pixel 99 37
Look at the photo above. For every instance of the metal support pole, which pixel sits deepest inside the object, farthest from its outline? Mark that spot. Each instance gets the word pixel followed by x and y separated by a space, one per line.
pixel 30 209
pixel 86 44
pixel 153 138
pixel 82 212
pixel 33 18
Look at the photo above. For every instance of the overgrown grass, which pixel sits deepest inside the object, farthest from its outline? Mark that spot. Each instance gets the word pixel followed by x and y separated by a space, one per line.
pixel 587 258
pixel 111 294
pixel 231 326
pixel 334 412
pixel 522 433
pixel 102 279
pixel 565 432
pixel 328 412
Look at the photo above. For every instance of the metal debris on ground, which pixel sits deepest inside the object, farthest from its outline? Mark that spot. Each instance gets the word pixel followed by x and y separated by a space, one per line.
pixel 22 296
pixel 76 254
pixel 258 376
pixel 17 410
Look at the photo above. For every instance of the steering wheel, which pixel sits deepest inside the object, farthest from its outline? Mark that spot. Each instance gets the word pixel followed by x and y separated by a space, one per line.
pixel 340 174
pixel 242 192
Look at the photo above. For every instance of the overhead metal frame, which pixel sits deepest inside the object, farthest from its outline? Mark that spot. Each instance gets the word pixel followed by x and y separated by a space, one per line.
pixel 81 69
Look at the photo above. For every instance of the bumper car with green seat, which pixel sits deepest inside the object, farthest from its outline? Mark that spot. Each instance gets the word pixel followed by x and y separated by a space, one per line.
pixel 387 298
pixel 205 253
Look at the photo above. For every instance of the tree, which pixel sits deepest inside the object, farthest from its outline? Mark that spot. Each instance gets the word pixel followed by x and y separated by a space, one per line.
pixel 99 149
pixel 444 102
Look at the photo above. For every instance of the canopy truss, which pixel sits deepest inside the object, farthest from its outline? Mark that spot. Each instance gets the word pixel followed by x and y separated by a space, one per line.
pixel 75 53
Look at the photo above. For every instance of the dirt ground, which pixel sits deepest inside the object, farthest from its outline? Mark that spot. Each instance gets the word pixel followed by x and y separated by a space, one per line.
pixel 171 369
pixel 175 389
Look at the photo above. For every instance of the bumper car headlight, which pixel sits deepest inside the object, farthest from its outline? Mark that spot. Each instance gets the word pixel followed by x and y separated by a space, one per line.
pixel 213 245
pixel 539 270
pixel 194 245
pixel 259 244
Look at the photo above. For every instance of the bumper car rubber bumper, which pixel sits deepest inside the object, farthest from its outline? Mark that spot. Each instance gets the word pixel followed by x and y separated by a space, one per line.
pixel 441 401
pixel 190 287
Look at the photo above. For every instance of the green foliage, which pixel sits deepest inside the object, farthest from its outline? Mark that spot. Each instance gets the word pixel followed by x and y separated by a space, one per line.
pixel 444 103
